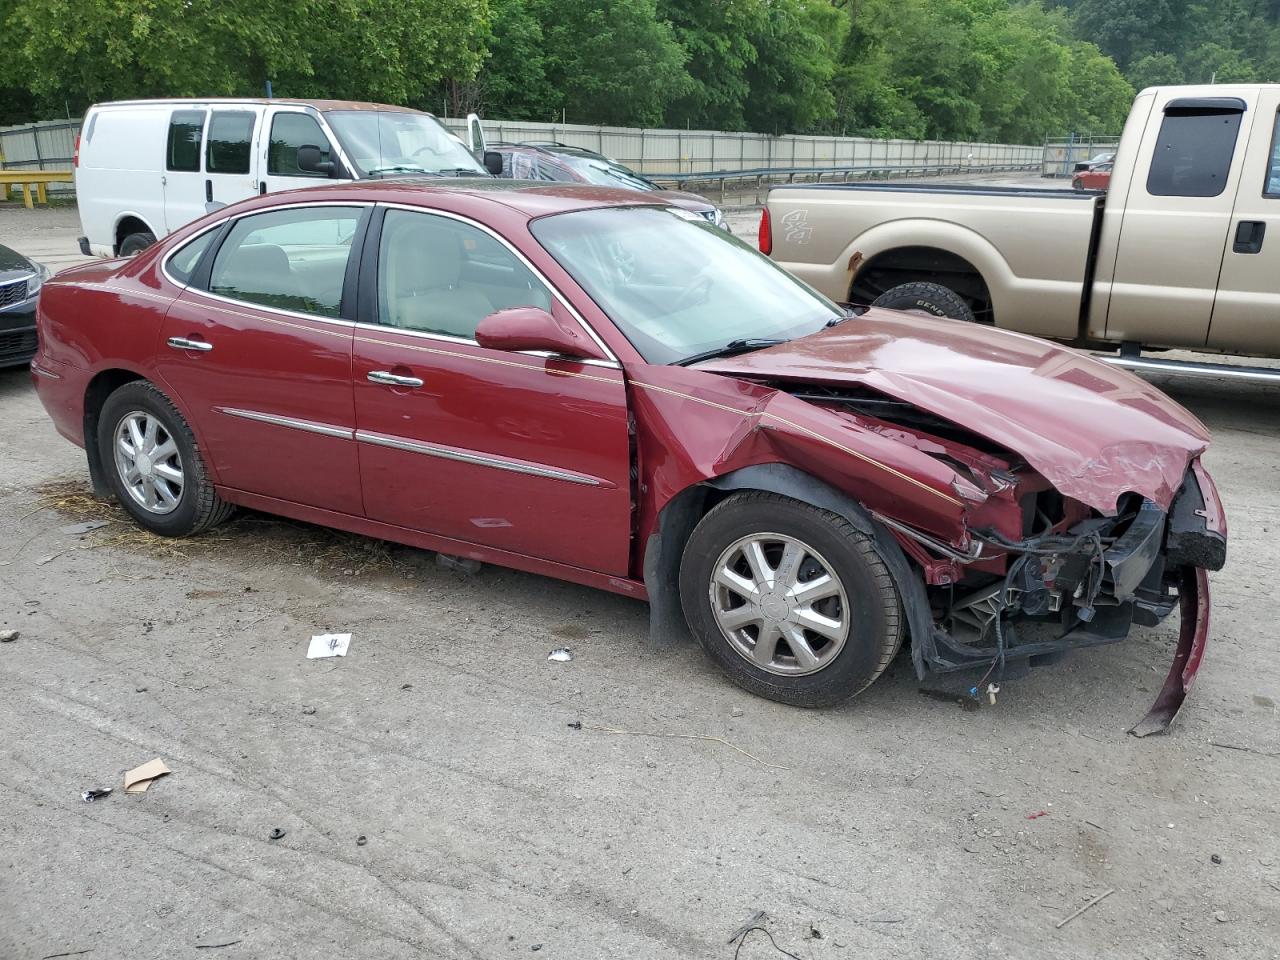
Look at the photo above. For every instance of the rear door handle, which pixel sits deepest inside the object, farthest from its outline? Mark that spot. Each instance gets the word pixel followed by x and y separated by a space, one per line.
pixel 392 379
pixel 183 343
pixel 208 191
pixel 1249 234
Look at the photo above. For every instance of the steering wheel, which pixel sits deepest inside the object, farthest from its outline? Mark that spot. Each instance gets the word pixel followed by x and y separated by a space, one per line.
pixel 420 150
pixel 697 290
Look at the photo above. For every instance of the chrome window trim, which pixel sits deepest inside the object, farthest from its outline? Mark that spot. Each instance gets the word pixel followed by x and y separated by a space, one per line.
pixel 164 263
pixel 308 426
pixel 612 358
pixel 449 453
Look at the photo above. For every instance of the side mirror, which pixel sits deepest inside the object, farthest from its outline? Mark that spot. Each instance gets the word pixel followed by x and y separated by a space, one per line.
pixel 309 160
pixel 532 328
pixel 493 162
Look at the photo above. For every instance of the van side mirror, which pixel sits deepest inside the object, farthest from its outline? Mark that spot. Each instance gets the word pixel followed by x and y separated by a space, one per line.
pixel 493 162
pixel 532 328
pixel 309 160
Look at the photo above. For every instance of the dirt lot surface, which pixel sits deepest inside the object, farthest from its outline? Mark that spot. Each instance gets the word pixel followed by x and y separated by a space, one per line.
pixel 896 826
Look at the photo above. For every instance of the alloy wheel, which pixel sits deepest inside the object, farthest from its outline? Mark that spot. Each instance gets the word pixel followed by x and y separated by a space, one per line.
pixel 148 462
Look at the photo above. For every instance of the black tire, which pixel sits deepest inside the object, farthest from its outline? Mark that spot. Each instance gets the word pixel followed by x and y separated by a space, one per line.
pixel 874 611
pixel 134 243
pixel 930 298
pixel 198 506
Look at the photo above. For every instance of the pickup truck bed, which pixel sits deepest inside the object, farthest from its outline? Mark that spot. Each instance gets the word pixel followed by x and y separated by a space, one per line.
pixel 1016 251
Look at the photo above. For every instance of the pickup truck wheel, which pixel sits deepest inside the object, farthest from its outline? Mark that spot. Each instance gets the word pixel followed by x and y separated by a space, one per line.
pixel 792 602
pixel 153 464
pixel 931 299
pixel 135 243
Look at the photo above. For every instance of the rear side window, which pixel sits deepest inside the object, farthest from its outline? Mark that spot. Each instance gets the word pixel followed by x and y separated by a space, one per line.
pixel 288 259
pixel 1272 187
pixel 185 129
pixel 183 263
pixel 1193 154
pixel 230 141
pixel 289 131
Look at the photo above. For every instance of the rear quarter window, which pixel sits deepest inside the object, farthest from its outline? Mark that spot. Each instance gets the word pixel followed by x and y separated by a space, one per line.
pixel 1193 153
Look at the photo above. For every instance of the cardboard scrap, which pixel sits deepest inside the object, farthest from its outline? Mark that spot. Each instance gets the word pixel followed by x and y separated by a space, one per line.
pixel 328 645
pixel 139 778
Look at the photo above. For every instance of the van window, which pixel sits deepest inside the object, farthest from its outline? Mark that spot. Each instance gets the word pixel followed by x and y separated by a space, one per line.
pixel 185 128
pixel 289 131
pixel 293 259
pixel 1193 154
pixel 230 139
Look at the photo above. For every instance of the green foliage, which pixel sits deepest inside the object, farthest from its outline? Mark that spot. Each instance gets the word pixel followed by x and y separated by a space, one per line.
pixel 1010 70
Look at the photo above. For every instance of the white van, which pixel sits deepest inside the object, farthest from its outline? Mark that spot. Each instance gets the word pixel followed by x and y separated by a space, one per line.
pixel 144 168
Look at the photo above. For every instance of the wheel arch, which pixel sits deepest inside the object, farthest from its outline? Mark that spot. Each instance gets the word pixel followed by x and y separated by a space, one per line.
pixel 681 514
pixel 100 386
pixel 925 250
pixel 127 223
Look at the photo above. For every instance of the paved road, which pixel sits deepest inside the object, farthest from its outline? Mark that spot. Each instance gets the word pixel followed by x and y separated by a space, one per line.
pixel 896 826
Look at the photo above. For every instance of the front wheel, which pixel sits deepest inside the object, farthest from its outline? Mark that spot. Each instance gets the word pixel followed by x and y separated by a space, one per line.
pixel 153 464
pixel 793 602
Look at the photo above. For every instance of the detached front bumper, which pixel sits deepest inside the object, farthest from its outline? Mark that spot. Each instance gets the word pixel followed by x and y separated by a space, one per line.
pixel 1087 586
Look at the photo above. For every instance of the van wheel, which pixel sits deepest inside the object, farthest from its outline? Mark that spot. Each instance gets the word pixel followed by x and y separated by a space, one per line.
pixel 153 464
pixel 134 243
pixel 793 602
pixel 930 299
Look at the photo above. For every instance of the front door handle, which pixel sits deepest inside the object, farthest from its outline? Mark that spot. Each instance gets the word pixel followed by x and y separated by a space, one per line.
pixel 1249 234
pixel 392 379
pixel 185 343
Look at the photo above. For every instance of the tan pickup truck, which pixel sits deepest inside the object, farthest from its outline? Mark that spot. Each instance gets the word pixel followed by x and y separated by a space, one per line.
pixel 1174 255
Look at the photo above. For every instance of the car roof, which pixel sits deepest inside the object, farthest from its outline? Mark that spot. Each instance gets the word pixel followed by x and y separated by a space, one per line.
pixel 529 197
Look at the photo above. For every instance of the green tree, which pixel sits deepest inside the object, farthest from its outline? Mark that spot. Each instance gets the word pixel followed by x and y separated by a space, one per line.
pixel 718 39
pixel 790 78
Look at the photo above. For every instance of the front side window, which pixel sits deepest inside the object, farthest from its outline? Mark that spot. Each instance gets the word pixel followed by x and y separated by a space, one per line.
pixel 677 286
pixel 288 259
pixel 230 141
pixel 289 131
pixel 1193 153
pixel 439 275
pixel 185 130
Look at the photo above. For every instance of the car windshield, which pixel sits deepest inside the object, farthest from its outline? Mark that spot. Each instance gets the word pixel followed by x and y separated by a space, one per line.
pixel 387 143
pixel 677 286
pixel 606 173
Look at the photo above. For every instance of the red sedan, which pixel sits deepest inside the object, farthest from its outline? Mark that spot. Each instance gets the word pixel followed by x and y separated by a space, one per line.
pixel 586 384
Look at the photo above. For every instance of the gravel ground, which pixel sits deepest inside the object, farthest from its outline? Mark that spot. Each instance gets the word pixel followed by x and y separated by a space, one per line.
pixel 896 826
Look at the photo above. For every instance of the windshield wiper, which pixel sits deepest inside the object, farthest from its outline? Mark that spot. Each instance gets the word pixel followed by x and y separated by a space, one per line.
pixel 745 345
pixel 847 314
pixel 463 172
pixel 396 168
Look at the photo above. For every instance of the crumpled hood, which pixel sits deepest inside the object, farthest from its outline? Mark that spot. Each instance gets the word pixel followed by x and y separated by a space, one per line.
pixel 1091 429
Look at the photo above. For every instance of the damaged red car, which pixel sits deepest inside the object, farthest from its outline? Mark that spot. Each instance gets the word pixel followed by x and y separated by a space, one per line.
pixel 585 384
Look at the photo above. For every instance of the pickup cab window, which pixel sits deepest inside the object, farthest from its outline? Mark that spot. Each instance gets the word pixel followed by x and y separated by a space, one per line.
pixel 1193 154
pixel 1272 187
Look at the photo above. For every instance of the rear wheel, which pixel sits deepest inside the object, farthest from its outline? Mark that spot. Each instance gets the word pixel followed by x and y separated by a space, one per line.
pixel 134 243
pixel 793 603
pixel 931 299
pixel 153 464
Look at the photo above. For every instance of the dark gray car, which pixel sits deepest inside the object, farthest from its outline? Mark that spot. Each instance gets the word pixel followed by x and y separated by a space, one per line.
pixel 20 282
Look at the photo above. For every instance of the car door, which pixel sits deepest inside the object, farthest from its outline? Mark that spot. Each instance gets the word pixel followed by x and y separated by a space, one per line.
pixel 258 349
pixel 520 452
pixel 183 178
pixel 1246 312
pixel 1176 219
pixel 229 169
pixel 289 128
